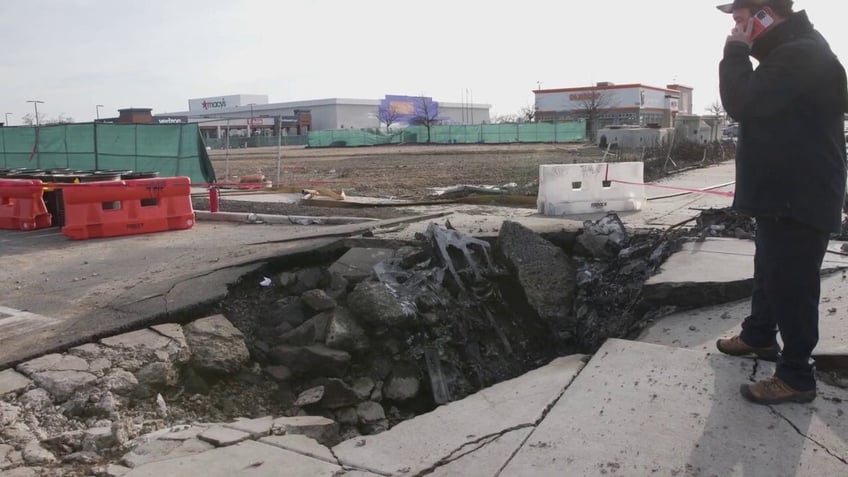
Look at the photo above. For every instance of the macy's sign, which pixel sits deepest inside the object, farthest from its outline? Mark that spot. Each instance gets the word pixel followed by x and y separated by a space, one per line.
pixel 214 104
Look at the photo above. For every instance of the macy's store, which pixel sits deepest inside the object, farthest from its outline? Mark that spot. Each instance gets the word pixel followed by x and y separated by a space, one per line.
pixel 243 115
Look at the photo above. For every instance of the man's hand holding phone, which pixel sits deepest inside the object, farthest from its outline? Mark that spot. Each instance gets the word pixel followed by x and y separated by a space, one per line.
pixel 748 30
pixel 742 32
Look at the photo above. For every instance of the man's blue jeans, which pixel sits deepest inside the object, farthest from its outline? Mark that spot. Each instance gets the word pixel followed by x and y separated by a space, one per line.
pixel 787 288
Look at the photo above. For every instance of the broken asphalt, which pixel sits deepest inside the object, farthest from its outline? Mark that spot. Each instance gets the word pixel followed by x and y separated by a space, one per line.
pixel 664 404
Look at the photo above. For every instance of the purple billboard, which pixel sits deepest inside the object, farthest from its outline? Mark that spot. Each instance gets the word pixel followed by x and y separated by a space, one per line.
pixel 408 109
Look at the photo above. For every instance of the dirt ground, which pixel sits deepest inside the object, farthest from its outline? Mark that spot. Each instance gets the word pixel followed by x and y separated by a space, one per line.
pixel 413 171
pixel 400 171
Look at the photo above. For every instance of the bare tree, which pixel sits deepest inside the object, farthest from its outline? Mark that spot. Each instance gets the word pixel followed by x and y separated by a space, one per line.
pixel 716 120
pixel 506 118
pixel 387 115
pixel 29 119
pixel 716 109
pixel 592 104
pixel 426 114
pixel 61 119
pixel 528 113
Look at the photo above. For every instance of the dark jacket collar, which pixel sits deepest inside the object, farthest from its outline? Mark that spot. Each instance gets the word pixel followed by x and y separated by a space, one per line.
pixel 795 26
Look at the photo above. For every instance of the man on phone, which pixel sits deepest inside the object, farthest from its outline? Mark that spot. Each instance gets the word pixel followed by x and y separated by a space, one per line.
pixel 790 176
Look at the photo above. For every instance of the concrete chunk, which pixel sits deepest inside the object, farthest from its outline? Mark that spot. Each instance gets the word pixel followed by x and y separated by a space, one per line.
pixel 12 382
pixel 323 430
pixel 255 427
pixel 357 264
pixel 53 362
pixel 220 436
pixel 63 384
pixel 143 341
pixel 216 345
pixel 717 270
pixel 546 274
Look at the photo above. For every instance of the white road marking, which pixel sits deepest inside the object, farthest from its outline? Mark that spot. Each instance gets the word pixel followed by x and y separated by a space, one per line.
pixel 16 322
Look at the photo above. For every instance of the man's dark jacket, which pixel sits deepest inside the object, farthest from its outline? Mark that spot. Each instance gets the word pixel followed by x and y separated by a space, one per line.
pixel 790 159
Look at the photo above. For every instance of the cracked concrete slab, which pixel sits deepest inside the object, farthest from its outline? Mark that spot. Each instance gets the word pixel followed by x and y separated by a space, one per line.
pixel 700 328
pixel 488 459
pixel 714 271
pixel 822 423
pixel 249 458
pixel 302 445
pixel 642 409
pixel 430 440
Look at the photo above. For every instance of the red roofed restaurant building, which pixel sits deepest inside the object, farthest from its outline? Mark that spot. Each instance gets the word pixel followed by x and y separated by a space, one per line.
pixel 631 104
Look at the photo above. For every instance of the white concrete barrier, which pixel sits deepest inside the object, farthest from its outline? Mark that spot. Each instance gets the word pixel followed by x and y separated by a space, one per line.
pixel 567 189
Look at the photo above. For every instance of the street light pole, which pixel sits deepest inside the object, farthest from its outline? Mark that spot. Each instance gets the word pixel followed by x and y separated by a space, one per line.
pixel 227 155
pixel 97 108
pixel 279 146
pixel 35 103
pixel 7 119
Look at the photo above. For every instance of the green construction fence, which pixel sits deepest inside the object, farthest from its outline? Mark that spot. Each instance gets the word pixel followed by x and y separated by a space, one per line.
pixel 170 149
pixel 570 131
pixel 256 141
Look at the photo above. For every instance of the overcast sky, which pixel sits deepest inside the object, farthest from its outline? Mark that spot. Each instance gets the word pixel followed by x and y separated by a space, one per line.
pixel 75 54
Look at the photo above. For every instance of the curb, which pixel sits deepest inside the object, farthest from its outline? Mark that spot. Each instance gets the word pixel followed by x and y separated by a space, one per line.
pixel 251 218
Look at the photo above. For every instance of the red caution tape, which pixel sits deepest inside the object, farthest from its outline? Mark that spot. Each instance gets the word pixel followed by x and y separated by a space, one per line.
pixel 683 189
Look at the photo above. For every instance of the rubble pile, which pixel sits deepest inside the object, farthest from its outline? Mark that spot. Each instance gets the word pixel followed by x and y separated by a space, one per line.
pixel 409 328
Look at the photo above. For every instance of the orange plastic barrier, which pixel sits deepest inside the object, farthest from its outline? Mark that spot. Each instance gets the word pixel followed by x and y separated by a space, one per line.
pixel 22 205
pixel 129 207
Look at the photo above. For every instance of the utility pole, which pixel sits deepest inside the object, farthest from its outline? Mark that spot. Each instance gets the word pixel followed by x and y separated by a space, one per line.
pixel 97 109
pixel 471 106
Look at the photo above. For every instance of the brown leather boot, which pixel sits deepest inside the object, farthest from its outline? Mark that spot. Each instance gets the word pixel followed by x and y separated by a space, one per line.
pixel 736 347
pixel 774 390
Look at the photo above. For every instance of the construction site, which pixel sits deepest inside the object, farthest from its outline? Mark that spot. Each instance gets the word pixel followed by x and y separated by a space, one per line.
pixel 396 310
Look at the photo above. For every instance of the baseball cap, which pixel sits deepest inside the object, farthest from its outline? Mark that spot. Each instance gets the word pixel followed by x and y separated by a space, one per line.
pixel 728 7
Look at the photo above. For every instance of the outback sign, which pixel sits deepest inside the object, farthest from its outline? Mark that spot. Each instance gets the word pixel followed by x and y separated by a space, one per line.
pixel 585 96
